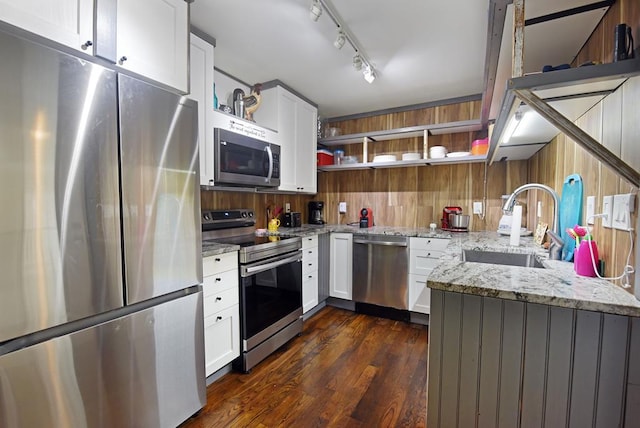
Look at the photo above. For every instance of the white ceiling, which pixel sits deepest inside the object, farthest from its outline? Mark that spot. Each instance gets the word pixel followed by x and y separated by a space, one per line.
pixel 422 50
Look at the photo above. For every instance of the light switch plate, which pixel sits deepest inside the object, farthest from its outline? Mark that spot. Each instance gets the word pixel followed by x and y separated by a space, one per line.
pixel 623 206
pixel 477 208
pixel 591 209
pixel 342 208
pixel 607 208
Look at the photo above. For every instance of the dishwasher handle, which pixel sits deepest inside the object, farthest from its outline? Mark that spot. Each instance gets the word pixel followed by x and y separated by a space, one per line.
pixel 402 243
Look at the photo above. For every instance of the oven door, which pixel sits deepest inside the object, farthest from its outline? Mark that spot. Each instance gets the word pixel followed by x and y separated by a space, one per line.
pixel 244 161
pixel 271 297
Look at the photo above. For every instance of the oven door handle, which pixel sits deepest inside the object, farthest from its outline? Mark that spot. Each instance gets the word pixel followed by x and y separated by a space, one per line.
pixel 248 271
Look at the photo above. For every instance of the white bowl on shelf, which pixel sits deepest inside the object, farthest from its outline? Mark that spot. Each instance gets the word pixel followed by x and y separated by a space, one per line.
pixel 410 156
pixel 458 154
pixel 385 158
pixel 437 152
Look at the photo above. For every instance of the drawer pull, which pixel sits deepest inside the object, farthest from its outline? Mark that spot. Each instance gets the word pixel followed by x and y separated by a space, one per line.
pixel 310 276
pixel 218 318
pixel 217 259
pixel 218 298
pixel 310 251
pixel 310 264
pixel 218 279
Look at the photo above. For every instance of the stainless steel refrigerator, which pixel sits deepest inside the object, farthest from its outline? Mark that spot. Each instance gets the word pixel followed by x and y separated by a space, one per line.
pixel 100 246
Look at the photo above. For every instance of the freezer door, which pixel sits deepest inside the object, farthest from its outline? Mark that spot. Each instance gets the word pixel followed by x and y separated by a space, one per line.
pixel 142 370
pixel 160 190
pixel 60 257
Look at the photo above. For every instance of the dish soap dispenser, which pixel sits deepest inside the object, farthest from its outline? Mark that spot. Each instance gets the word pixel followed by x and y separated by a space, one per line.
pixel 215 98
pixel 583 264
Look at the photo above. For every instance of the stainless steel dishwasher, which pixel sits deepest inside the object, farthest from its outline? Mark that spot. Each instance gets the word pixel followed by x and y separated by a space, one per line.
pixel 380 269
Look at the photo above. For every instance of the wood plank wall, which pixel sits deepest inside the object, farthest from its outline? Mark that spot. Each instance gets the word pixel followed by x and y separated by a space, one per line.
pixel 614 122
pixel 415 196
pixel 503 363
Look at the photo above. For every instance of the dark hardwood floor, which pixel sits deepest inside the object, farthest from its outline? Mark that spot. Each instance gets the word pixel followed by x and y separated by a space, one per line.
pixel 345 370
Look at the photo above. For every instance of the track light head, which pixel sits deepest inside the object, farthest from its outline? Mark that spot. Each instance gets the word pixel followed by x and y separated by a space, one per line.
pixel 315 11
pixel 357 62
pixel 369 74
pixel 340 39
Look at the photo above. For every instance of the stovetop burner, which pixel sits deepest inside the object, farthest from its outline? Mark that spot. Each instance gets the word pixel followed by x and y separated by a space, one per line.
pixel 238 227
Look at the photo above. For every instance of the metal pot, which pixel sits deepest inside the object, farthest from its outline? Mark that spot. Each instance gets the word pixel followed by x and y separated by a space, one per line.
pixel 458 221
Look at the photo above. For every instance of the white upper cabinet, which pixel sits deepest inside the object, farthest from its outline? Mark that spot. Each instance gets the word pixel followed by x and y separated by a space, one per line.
pixel 69 22
pixel 153 40
pixel 201 69
pixel 296 123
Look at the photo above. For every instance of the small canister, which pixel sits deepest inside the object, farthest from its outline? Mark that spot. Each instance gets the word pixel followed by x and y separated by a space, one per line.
pixel 338 157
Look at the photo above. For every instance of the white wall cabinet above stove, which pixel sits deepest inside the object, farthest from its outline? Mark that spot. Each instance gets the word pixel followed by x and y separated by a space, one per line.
pixel 296 123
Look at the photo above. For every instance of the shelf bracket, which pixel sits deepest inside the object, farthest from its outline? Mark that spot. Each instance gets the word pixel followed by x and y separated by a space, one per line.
pixel 574 132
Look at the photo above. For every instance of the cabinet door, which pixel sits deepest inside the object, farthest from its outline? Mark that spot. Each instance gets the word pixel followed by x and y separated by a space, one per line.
pixel 201 69
pixel 306 142
pixel 341 265
pixel 221 338
pixel 309 291
pixel 69 22
pixel 287 105
pixel 419 294
pixel 153 36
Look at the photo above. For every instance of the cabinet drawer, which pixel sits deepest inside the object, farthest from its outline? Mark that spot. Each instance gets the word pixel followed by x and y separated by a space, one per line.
pixel 220 263
pixel 220 281
pixel 215 302
pixel 309 241
pixel 422 262
pixel 221 338
pixel 438 244
pixel 309 260
pixel 309 291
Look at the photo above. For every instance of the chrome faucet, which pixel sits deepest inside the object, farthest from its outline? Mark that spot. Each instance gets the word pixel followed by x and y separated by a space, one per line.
pixel 555 249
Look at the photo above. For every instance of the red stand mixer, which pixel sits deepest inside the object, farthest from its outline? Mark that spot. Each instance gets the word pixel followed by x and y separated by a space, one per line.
pixel 446 225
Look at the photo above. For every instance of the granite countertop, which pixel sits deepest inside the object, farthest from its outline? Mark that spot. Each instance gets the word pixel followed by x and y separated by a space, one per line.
pixel 210 248
pixel 556 285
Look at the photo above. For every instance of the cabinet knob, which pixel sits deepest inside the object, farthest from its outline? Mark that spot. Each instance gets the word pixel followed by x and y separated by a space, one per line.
pixel 218 298
pixel 86 44
pixel 218 279
pixel 310 276
pixel 310 264
pixel 428 254
pixel 217 259
pixel 428 241
pixel 122 60
pixel 218 318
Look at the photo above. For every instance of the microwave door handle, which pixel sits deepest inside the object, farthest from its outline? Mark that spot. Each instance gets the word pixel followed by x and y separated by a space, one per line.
pixel 270 154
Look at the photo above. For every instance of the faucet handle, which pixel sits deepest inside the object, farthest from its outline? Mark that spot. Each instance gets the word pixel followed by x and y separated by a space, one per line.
pixel 555 249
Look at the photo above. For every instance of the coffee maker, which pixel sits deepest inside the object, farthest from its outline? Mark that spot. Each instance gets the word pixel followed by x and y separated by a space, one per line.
pixel 366 217
pixel 315 212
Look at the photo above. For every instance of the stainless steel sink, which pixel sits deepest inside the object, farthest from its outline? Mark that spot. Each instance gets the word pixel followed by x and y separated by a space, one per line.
pixel 494 257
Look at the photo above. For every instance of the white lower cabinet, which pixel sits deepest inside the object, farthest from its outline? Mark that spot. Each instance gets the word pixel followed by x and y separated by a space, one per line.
pixel 221 311
pixel 424 255
pixel 309 272
pixel 341 265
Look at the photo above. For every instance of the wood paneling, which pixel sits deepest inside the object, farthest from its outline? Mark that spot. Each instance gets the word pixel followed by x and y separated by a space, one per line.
pixel 534 365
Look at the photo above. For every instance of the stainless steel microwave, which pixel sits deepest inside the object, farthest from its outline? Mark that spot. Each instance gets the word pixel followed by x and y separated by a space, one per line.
pixel 240 160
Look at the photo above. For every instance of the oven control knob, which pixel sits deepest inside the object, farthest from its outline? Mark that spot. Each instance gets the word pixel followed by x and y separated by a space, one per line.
pixel 250 213
pixel 206 217
pixel 244 214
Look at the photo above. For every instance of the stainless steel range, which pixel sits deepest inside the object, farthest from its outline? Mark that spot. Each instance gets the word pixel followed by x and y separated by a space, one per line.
pixel 270 283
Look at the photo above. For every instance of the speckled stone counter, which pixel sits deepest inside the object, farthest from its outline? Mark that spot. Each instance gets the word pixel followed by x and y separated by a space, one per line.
pixel 210 248
pixel 556 285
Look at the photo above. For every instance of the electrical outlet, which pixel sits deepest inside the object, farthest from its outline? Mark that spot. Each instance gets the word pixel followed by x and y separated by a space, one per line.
pixel 342 208
pixel 539 211
pixel 287 207
pixel 623 206
pixel 607 208
pixel 477 208
pixel 591 209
